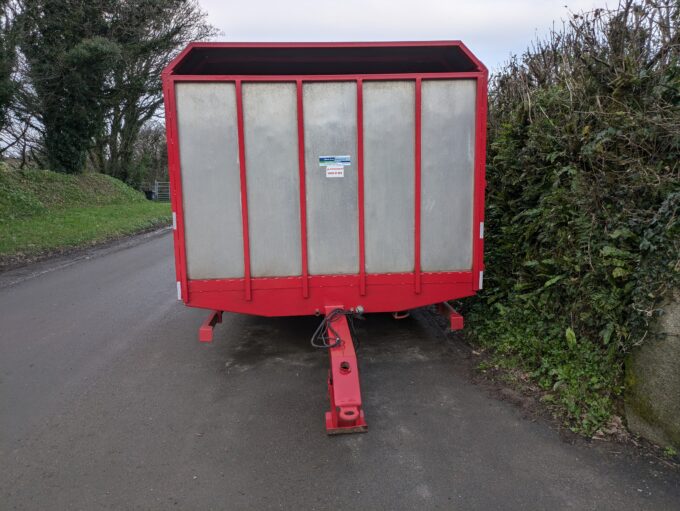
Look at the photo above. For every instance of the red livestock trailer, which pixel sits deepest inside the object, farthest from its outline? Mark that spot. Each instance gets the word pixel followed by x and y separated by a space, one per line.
pixel 327 178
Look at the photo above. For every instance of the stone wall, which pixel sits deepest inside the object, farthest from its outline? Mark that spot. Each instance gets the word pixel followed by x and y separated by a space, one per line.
pixel 653 381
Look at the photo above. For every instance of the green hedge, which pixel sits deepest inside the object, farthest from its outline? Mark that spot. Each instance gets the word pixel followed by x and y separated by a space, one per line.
pixel 582 203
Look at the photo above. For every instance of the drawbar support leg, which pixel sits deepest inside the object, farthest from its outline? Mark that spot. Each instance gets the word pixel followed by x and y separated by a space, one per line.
pixel 205 332
pixel 344 391
pixel 454 318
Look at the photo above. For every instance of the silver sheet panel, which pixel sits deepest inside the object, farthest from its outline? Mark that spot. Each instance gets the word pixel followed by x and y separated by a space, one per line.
pixel 208 146
pixel 330 122
pixel 272 175
pixel 448 148
pixel 389 175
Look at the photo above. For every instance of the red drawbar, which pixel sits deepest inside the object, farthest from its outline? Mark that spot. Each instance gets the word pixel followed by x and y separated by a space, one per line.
pixel 344 392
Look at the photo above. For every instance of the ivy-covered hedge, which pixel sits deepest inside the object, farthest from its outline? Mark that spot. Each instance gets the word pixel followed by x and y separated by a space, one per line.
pixel 582 203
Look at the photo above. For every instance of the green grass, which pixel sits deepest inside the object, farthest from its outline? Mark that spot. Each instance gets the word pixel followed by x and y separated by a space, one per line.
pixel 43 212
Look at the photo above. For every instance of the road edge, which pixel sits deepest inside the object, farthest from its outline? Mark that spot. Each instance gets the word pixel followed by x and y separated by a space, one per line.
pixel 14 275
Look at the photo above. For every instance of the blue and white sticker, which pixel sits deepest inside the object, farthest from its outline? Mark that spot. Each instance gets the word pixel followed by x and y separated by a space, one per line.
pixel 325 161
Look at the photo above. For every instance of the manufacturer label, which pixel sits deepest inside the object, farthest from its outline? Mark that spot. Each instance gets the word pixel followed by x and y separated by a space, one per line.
pixel 325 161
pixel 335 171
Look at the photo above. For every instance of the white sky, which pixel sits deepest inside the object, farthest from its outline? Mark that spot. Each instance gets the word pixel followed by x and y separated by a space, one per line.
pixel 492 29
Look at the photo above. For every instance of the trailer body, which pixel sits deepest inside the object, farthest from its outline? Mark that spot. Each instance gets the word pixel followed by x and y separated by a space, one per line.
pixel 309 174
pixel 330 179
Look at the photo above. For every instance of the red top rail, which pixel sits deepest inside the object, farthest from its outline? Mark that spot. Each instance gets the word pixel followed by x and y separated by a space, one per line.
pixel 337 58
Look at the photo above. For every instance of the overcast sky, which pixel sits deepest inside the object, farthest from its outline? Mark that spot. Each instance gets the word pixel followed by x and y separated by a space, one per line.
pixel 492 29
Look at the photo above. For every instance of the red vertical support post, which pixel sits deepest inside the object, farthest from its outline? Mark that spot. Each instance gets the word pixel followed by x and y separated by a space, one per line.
pixel 418 186
pixel 480 183
pixel 176 186
pixel 360 177
pixel 303 191
pixel 344 391
pixel 244 190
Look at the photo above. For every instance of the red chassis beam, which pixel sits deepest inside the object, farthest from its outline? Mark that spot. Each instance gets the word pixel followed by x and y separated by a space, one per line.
pixel 283 297
pixel 344 391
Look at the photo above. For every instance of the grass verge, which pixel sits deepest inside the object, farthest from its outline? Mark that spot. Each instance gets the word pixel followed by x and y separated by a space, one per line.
pixel 42 213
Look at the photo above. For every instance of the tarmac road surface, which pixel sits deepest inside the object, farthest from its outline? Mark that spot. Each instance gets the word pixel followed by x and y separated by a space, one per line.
pixel 108 401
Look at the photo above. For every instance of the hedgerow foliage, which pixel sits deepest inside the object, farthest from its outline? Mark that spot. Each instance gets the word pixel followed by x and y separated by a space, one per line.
pixel 582 202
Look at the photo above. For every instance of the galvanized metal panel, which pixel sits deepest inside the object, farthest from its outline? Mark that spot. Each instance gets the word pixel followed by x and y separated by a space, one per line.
pixel 330 123
pixel 448 147
pixel 389 175
pixel 208 147
pixel 271 144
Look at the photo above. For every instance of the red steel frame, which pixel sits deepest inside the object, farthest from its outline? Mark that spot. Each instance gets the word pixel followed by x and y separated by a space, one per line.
pixel 360 185
pixel 417 276
pixel 344 393
pixel 303 192
pixel 310 294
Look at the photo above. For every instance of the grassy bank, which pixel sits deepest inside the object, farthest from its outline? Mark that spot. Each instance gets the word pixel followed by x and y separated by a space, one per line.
pixel 44 212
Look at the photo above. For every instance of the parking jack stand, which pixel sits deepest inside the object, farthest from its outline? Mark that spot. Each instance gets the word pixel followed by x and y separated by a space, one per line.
pixel 205 332
pixel 454 318
pixel 346 414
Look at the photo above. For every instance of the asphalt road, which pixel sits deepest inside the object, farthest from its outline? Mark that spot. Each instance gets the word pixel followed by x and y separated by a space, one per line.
pixel 109 402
